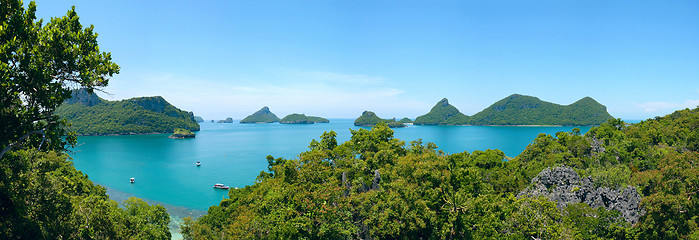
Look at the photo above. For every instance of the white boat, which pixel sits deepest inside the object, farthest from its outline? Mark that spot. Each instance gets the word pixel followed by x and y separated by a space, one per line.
pixel 221 186
pixel 133 180
pixel 198 163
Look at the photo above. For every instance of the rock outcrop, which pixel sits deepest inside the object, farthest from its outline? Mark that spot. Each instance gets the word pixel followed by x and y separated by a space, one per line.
pixel 564 186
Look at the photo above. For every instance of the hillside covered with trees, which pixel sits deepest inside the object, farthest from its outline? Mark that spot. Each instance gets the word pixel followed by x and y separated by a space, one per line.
pixel 296 118
pixel 261 116
pixel 519 109
pixel 88 116
pixel 369 119
pixel 375 186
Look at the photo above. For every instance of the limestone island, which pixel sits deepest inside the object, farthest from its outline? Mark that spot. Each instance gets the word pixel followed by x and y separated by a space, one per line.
pixel 228 120
pixel 90 115
pixel 519 109
pixel 296 118
pixel 182 133
pixel 198 119
pixel 261 116
pixel 369 119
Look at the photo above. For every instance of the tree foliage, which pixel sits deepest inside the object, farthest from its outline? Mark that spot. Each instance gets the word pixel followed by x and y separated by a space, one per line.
pixel 375 186
pixel 42 196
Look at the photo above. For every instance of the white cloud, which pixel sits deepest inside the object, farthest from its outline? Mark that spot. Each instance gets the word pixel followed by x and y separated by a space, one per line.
pixel 653 107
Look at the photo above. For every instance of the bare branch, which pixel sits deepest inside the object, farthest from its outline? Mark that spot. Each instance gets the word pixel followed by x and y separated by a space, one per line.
pixel 25 136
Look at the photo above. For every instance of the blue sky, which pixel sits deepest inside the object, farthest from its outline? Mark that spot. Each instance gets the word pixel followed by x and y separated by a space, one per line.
pixel 397 58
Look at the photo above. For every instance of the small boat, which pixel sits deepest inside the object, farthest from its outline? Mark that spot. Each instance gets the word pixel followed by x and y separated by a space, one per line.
pixel 221 186
pixel 133 180
pixel 198 163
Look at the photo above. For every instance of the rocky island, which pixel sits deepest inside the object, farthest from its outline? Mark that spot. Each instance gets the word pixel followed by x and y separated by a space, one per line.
pixel 296 118
pixel 261 116
pixel 90 115
pixel 198 119
pixel 369 119
pixel 227 120
pixel 182 133
pixel 519 109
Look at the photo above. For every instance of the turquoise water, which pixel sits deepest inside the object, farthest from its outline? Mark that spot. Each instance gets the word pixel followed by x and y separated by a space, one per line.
pixel 234 154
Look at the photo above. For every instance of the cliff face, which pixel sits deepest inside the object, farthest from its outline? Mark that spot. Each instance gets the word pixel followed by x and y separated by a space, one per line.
pixel 83 97
pixel 563 186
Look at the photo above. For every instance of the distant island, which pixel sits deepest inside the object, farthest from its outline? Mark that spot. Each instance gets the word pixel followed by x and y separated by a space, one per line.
pixel 228 120
pixel 369 119
pixel 90 115
pixel 405 120
pixel 198 119
pixel 296 118
pixel 261 116
pixel 182 133
pixel 519 109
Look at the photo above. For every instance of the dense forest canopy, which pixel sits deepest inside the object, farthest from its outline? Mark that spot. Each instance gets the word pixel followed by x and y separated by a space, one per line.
pixel 519 109
pixel 42 196
pixel 88 116
pixel 375 186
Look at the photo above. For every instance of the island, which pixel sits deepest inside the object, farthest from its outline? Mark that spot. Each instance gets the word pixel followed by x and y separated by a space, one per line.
pixel 182 133
pixel 406 120
pixel 198 119
pixel 520 109
pixel 369 119
pixel 227 120
pixel 296 118
pixel 261 116
pixel 90 115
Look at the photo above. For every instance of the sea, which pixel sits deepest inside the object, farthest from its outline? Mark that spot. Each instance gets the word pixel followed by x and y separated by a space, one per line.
pixel 234 154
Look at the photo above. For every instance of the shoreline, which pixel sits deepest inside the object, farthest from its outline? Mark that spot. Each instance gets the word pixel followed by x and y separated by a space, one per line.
pixel 177 213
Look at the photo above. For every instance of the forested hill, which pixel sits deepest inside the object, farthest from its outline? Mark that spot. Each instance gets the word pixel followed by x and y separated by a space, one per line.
pixel 369 119
pixel 442 113
pixel 263 115
pixel 519 109
pixel 297 118
pixel 90 115
pixel 526 110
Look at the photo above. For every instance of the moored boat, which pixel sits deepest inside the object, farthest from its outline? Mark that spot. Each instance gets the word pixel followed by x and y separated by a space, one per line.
pixel 133 180
pixel 221 186
pixel 198 163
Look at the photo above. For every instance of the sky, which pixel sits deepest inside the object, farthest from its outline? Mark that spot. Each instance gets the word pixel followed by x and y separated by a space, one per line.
pixel 336 59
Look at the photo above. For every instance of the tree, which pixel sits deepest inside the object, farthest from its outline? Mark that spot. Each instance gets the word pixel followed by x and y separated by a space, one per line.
pixel 39 64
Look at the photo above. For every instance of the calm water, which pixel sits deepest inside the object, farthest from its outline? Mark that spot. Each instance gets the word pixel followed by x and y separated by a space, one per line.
pixel 234 154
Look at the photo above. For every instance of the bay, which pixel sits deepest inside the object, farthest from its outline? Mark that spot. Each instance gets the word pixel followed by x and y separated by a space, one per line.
pixel 234 154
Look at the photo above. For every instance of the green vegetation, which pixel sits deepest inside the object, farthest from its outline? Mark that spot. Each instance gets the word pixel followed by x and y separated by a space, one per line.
pixel 525 110
pixel 302 119
pixel 406 120
pixel 42 196
pixel 182 133
pixel 369 119
pixel 261 116
pixel 442 113
pixel 376 187
pixel 131 116
pixel 520 110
